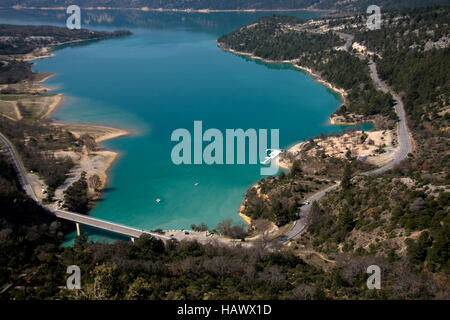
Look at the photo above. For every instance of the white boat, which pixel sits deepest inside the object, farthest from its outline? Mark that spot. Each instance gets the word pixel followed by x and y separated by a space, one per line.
pixel 272 155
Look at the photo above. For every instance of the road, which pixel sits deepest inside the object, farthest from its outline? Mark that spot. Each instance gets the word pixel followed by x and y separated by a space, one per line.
pixel 18 166
pixel 301 223
pixel 404 146
pixel 102 224
pixel 67 215
pixel 404 141
pixel 348 40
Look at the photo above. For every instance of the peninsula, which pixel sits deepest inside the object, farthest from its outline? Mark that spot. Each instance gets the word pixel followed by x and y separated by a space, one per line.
pixel 25 107
pixel 346 201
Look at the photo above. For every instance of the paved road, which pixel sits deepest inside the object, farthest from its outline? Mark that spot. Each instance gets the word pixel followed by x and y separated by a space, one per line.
pixel 102 224
pixel 348 38
pixel 401 154
pixel 18 166
pixel 67 215
pixel 403 136
pixel 301 223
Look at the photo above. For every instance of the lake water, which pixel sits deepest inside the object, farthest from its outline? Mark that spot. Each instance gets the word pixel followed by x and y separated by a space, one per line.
pixel 169 73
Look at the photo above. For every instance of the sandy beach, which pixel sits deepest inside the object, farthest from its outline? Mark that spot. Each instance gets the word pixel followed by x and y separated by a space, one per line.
pixel 243 216
pixel 98 132
pixel 92 162
pixel 58 99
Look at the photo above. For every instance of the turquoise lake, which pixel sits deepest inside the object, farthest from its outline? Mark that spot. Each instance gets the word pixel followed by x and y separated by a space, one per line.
pixel 169 73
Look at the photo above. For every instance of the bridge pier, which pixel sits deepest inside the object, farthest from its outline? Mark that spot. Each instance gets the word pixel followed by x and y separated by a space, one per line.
pixel 78 229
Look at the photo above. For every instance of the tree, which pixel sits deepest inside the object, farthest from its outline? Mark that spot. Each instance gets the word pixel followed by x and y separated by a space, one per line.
pixel 237 232
pixel 417 250
pixel 106 285
pixel 80 242
pixel 224 226
pixel 140 289
pixel 95 182
pixel 89 142
pixel 147 247
pixel 201 227
pixel 345 220
pixel 76 196
pixel 348 154
pixel 315 215
pixel 296 169
pixel 439 255
pixel 346 179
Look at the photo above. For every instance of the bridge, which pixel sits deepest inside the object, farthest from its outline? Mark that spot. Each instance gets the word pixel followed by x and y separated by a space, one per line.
pixel 77 218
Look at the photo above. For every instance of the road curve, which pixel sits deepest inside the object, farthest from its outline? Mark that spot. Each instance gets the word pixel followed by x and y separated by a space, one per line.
pixel 404 146
pixel 404 141
pixel 67 215
pixel 301 223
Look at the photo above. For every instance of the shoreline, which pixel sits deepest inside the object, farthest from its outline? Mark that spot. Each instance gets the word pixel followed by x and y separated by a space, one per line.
pixel 59 99
pixel 316 77
pixel 343 93
pixel 188 10
pixel 108 131
pixel 121 132
pixel 54 105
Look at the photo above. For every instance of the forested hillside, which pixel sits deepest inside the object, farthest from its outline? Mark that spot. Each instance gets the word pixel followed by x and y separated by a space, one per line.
pixel 17 39
pixel 33 265
pixel 358 5
pixel 287 38
pixel 398 220
pixel 402 215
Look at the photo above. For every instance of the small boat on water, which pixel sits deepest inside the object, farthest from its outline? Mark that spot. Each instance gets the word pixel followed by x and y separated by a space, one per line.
pixel 196 184
pixel 158 200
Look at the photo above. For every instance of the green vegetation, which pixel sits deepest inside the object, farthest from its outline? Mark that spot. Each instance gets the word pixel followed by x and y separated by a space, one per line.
pixel 18 40
pixel 381 208
pixel 35 142
pixel 228 229
pixel 287 38
pixel 398 220
pixel 357 5
pixel 401 216
pixel 13 71
pixel 76 196
pixel 278 198
pixel 275 38
pixel 201 227
pixel 419 70
pixel 33 266
pixel 25 39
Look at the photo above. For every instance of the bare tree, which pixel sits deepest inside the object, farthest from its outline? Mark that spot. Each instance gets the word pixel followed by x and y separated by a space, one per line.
pixel 95 182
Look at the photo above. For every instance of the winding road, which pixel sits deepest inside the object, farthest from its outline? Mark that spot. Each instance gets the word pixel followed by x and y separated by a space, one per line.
pixel 403 149
pixel 301 223
pixel 67 215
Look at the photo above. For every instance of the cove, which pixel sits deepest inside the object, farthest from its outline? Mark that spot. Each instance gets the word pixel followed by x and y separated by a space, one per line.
pixel 165 76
